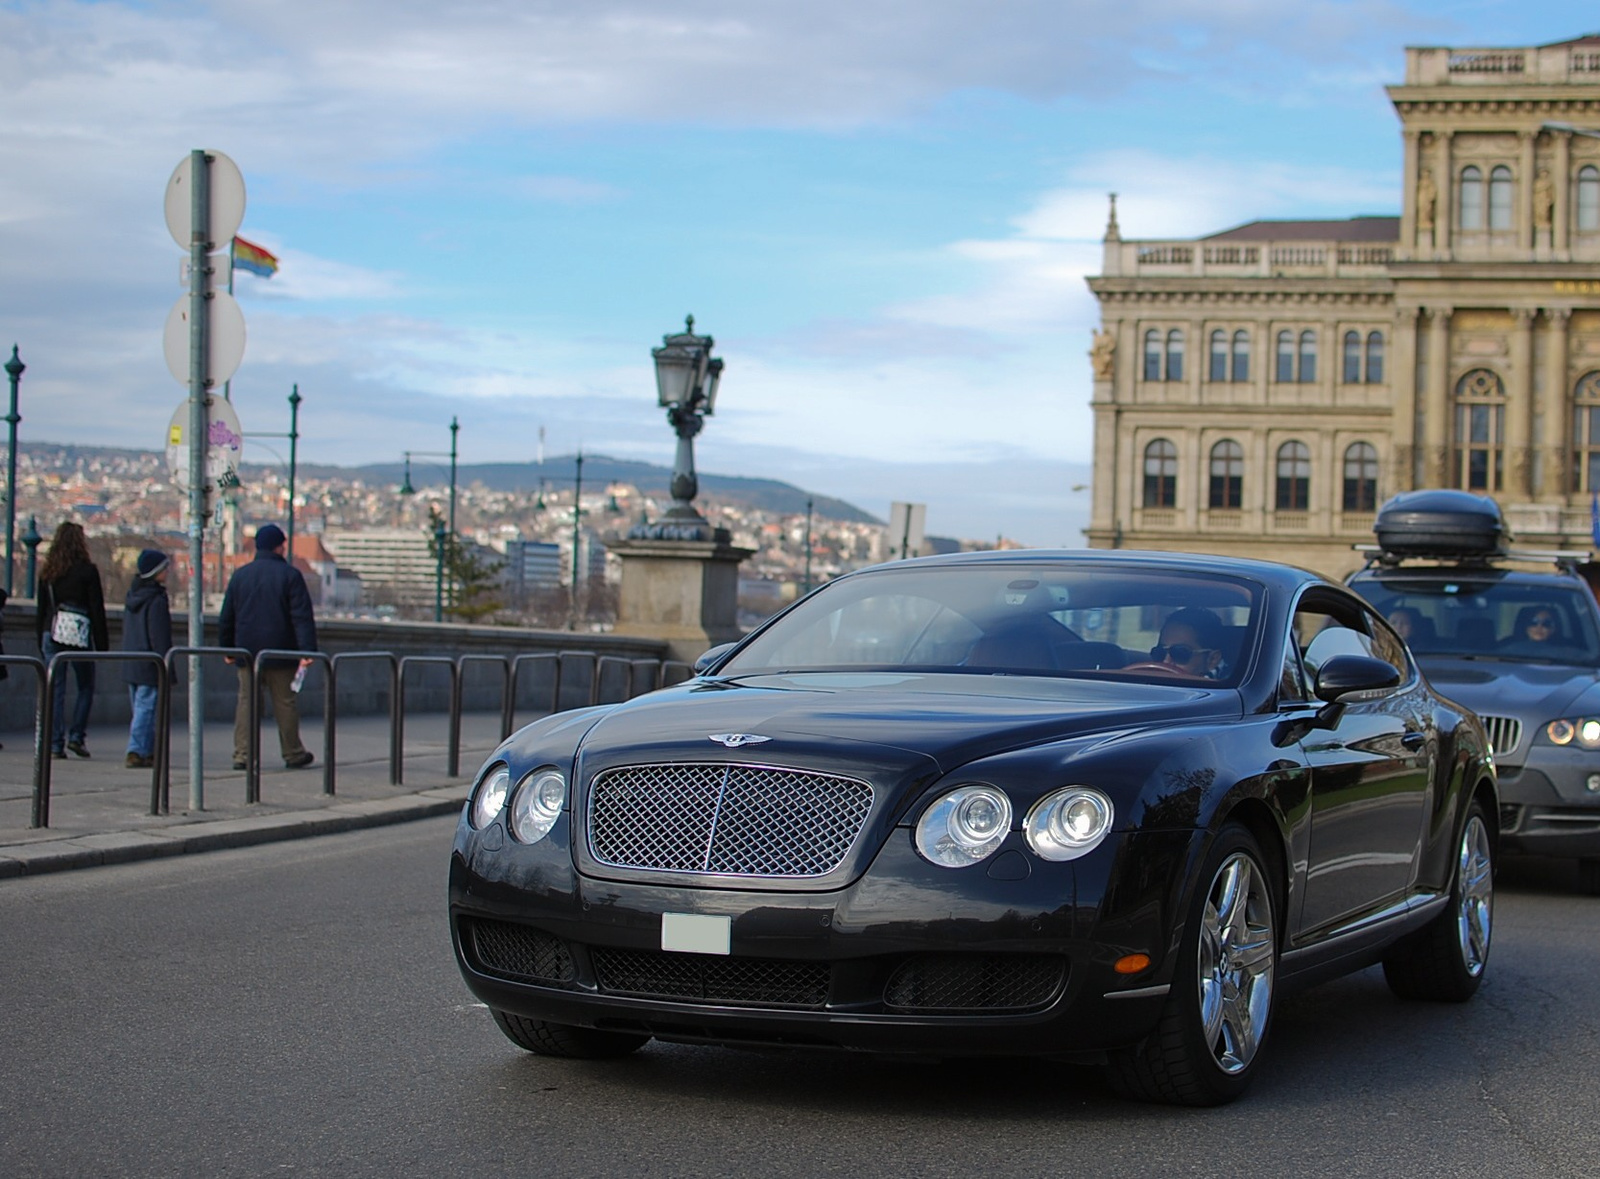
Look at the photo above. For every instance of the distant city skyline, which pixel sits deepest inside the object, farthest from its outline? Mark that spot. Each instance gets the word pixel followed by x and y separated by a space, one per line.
pixel 494 212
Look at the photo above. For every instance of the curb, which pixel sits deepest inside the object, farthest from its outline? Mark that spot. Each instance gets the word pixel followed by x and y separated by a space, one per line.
pixel 123 847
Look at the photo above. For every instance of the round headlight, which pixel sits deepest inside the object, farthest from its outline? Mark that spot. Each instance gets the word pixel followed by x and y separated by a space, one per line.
pixel 964 826
pixel 1589 732
pixel 490 796
pixel 1068 823
pixel 1561 732
pixel 537 804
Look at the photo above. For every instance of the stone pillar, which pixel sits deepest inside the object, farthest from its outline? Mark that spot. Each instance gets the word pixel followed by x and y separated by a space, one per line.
pixel 1560 218
pixel 1527 235
pixel 1403 387
pixel 1445 177
pixel 685 592
pixel 1408 197
pixel 1436 400
pixel 1519 408
pixel 1557 405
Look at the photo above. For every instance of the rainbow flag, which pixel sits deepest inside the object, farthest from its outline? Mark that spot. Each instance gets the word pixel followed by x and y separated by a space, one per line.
pixel 251 257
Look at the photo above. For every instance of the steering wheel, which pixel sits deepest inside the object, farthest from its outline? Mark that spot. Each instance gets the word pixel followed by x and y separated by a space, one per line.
pixel 1171 671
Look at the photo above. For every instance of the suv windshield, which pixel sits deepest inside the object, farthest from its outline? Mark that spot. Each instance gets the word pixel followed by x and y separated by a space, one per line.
pixel 1014 619
pixel 1546 620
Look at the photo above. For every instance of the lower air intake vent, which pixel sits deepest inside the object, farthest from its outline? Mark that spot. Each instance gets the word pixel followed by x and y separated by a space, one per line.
pixel 975 982
pixel 499 947
pixel 757 982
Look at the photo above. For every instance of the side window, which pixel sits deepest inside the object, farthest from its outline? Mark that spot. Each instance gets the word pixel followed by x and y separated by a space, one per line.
pixel 1326 627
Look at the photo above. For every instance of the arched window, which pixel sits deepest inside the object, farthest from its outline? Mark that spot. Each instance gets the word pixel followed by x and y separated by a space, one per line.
pixel 1152 355
pixel 1588 197
pixel 1160 474
pixel 1227 474
pixel 1471 198
pixel 1361 478
pixel 1241 355
pixel 1500 198
pixel 1586 434
pixel 1294 477
pixel 1374 358
pixel 1285 372
pixel 1308 357
pixel 1480 432
pixel 1174 355
pixel 1352 358
pixel 1219 356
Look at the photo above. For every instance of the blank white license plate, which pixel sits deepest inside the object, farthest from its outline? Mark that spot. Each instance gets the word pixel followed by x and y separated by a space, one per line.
pixel 695 933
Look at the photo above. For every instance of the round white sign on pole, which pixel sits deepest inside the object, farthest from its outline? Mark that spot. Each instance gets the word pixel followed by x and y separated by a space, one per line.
pixel 224 447
pixel 225 346
pixel 226 207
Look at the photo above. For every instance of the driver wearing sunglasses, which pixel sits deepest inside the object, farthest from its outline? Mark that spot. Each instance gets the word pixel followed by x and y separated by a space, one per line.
pixel 1190 642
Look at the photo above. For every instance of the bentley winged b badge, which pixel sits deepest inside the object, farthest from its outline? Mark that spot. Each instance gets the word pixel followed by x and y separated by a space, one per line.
pixel 734 740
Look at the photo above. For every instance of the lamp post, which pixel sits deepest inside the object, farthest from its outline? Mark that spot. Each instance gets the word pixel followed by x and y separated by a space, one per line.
pixel 32 539
pixel 441 537
pixel 294 438
pixel 14 370
pixel 807 588
pixel 687 376
pixel 577 527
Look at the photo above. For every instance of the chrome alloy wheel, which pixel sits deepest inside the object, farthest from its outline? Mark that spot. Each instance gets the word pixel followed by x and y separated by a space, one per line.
pixel 1475 896
pixel 1237 961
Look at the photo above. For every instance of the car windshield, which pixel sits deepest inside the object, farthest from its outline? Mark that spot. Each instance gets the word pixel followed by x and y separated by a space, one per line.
pixel 1069 619
pixel 1490 618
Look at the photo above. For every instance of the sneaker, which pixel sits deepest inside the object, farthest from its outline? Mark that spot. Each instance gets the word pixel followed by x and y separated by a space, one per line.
pixel 59 754
pixel 78 748
pixel 300 760
pixel 138 761
pixel 241 765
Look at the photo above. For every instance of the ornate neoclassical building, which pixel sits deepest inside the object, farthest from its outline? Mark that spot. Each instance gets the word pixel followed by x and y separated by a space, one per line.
pixel 1258 392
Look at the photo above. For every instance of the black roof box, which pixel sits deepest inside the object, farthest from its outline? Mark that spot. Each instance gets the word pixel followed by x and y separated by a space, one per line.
pixel 1440 523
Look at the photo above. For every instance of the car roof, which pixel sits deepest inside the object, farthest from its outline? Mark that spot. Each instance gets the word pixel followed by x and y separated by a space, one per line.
pixel 1271 573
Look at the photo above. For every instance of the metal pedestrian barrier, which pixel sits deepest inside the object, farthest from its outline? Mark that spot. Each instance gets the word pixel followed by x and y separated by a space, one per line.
pixel 638 677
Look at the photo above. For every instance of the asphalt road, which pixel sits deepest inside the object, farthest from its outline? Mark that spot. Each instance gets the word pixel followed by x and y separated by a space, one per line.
pixel 294 1009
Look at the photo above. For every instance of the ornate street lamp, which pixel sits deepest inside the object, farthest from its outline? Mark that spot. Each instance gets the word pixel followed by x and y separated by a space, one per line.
pixel 448 536
pixel 32 539
pixel 687 376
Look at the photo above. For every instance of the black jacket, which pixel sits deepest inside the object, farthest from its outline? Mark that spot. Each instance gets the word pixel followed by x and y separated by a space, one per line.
pixel 146 626
pixel 267 606
pixel 80 587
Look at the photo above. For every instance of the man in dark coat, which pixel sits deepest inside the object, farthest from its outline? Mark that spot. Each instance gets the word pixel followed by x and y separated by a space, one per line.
pixel 146 626
pixel 267 607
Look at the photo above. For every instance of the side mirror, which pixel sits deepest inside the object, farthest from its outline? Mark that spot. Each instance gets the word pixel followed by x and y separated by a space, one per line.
pixel 712 657
pixel 1344 674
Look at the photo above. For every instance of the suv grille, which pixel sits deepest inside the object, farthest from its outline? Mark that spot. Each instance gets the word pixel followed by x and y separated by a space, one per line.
pixel 1505 733
pixel 736 820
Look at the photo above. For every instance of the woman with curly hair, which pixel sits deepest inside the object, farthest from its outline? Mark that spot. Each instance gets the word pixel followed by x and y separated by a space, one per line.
pixel 71 616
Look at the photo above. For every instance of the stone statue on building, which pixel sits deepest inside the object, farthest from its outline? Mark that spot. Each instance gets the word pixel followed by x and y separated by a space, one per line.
pixel 1544 200
pixel 1104 354
pixel 1427 199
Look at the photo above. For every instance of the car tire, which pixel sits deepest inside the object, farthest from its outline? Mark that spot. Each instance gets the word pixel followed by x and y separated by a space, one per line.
pixel 1205 1049
pixel 1445 960
pixel 1589 877
pixel 560 1039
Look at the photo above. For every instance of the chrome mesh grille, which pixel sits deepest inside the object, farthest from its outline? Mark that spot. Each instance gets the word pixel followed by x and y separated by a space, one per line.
pixel 736 820
pixel 1505 732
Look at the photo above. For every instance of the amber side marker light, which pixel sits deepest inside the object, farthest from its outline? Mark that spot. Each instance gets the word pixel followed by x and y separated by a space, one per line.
pixel 1132 963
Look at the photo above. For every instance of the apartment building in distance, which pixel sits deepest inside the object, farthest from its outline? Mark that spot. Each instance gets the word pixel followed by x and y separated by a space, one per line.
pixel 1260 391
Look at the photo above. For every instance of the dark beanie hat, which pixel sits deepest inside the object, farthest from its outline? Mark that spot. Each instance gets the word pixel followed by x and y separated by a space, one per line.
pixel 152 561
pixel 269 536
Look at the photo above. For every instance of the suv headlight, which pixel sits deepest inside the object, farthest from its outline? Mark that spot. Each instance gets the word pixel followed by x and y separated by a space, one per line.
pixel 1583 731
pixel 537 804
pixel 1068 823
pixel 964 826
pixel 490 795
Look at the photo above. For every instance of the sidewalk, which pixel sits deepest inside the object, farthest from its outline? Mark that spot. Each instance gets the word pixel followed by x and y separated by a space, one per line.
pixel 99 809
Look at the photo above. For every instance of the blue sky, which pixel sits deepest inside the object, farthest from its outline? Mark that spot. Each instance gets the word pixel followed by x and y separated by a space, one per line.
pixel 883 210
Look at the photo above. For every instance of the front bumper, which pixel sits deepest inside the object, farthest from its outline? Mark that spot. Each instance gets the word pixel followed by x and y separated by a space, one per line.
pixel 1546 806
pixel 1010 957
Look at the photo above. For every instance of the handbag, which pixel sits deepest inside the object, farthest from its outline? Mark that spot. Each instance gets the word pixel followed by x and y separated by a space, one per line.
pixel 69 627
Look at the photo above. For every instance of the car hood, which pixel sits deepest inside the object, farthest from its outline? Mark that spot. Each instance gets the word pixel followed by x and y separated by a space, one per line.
pixel 944 720
pixel 1531 692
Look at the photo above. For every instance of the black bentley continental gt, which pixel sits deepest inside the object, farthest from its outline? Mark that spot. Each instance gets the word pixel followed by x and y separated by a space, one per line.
pixel 1094 806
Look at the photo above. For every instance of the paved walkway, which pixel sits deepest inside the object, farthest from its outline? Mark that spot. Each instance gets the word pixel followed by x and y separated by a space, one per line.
pixel 99 809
